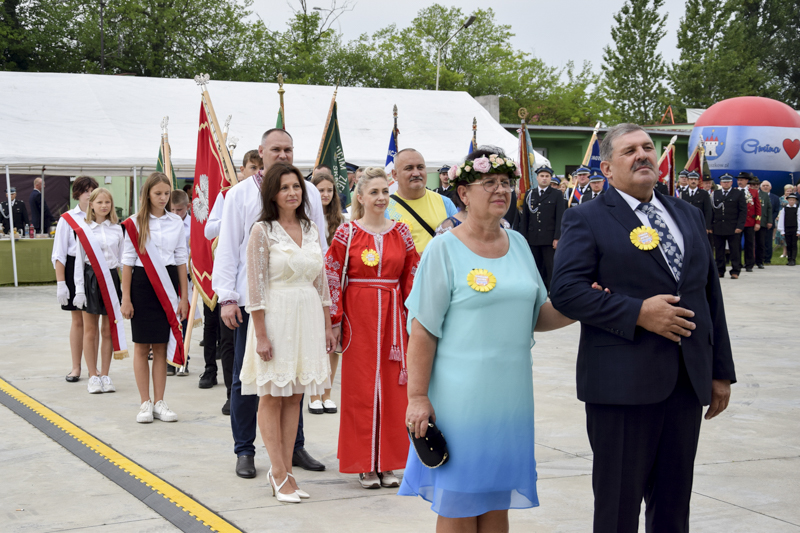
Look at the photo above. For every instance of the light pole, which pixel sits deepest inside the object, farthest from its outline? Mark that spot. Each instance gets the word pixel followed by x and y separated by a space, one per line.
pixel 464 26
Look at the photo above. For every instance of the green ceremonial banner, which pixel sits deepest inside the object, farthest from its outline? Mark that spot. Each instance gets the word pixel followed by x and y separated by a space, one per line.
pixel 160 168
pixel 332 155
pixel 279 123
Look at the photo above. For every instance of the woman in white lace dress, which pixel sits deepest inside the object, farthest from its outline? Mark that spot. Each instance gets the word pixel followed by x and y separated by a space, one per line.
pixel 289 335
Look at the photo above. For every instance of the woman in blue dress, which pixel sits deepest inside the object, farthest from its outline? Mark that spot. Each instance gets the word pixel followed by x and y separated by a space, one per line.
pixel 476 300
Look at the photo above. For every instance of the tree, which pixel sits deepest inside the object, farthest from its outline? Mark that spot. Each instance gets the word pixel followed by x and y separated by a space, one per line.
pixel 14 47
pixel 634 71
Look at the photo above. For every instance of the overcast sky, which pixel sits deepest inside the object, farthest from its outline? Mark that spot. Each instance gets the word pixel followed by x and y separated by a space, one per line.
pixel 553 31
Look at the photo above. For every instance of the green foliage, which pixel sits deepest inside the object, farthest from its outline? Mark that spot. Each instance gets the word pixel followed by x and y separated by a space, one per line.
pixel 14 48
pixel 634 71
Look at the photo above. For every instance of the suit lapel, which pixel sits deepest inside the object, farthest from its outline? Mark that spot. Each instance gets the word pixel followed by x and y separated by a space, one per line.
pixel 625 216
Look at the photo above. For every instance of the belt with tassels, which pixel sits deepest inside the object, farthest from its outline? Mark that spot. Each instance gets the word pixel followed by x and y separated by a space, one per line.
pixel 398 351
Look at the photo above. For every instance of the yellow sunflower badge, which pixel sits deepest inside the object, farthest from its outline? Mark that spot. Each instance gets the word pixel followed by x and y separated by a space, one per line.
pixel 407 223
pixel 370 257
pixel 481 280
pixel 644 238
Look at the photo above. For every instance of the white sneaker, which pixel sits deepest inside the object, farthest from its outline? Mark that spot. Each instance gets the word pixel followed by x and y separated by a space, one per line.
pixel 108 386
pixel 369 480
pixel 145 415
pixel 163 412
pixel 329 407
pixel 315 407
pixel 95 385
pixel 388 479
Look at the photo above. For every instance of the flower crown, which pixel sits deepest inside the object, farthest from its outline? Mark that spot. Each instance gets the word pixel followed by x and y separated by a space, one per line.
pixel 470 171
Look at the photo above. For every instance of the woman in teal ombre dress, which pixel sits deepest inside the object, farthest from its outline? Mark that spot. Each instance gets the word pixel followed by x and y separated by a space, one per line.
pixel 476 300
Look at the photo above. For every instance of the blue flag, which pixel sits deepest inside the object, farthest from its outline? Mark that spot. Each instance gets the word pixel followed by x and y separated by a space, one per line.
pixel 471 148
pixel 594 159
pixel 390 153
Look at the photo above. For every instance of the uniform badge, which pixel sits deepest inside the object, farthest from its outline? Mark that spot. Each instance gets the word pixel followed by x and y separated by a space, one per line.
pixel 370 257
pixel 481 280
pixel 644 238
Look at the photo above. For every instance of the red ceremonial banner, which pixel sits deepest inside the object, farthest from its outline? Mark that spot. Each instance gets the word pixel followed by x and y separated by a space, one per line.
pixel 209 180
pixel 666 169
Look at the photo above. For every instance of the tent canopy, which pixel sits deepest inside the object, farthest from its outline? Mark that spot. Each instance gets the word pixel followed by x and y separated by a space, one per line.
pixel 107 125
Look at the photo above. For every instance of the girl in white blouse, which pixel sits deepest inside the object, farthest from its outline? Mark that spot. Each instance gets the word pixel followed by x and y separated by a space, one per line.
pixel 63 258
pixel 149 324
pixel 102 220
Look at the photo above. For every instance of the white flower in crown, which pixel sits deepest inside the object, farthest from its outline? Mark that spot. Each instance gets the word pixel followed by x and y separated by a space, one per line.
pixel 200 203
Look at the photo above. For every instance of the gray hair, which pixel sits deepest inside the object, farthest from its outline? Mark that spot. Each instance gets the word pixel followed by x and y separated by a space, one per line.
pixel 606 146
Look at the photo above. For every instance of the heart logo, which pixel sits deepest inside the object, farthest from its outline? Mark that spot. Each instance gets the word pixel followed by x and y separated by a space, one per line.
pixel 791 147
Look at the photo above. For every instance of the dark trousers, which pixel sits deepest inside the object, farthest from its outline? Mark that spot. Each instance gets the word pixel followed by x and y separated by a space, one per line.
pixel 719 252
pixel 210 338
pixel 768 244
pixel 791 245
pixel 761 245
pixel 749 247
pixel 225 348
pixel 645 452
pixel 543 256
pixel 244 408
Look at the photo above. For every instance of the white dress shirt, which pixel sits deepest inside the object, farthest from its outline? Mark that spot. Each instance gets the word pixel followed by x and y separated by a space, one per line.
pixel 167 234
pixel 243 209
pixel 64 242
pixel 782 221
pixel 663 213
pixel 187 228
pixel 212 227
pixel 111 242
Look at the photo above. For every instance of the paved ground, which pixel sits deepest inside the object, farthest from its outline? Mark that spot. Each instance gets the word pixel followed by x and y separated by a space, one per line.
pixel 746 478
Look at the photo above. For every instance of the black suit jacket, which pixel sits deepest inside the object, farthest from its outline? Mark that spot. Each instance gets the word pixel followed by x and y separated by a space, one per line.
pixel 588 196
pixel 701 200
pixel 728 212
pixel 540 220
pixel 36 214
pixel 619 362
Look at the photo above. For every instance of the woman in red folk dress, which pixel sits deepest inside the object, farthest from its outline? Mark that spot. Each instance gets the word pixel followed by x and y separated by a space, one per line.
pixel 379 259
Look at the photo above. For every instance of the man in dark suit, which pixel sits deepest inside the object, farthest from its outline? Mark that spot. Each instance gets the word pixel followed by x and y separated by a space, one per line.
pixel 765 226
pixel 445 188
pixel 698 198
pixel 729 212
pixel 769 238
pixel 540 222
pixel 654 349
pixel 35 200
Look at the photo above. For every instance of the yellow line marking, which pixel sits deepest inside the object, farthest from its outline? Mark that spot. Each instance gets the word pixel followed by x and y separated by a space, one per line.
pixel 194 508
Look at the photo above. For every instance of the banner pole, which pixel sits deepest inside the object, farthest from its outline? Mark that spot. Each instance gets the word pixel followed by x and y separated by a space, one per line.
pixel 11 227
pixel 41 207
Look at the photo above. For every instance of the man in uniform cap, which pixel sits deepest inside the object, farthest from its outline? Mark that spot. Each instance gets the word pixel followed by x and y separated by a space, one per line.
pixel 683 180
pixel 445 189
pixel 708 184
pixel 729 211
pixel 540 222
pixel 555 182
pixel 595 187
pixel 753 222
pixel 582 186
pixel 19 212
pixel 765 223
pixel 698 198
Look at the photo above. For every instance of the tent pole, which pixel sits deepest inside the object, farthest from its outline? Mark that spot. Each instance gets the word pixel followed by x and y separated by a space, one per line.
pixel 135 189
pixel 41 207
pixel 11 227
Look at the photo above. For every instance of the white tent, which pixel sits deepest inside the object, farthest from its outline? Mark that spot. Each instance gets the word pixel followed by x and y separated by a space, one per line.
pixel 107 125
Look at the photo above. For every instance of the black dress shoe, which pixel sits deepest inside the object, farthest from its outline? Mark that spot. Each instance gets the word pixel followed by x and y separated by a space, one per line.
pixel 226 409
pixel 748 269
pixel 207 380
pixel 761 267
pixel 202 342
pixel 72 379
pixel 301 458
pixel 246 466
pixel 170 370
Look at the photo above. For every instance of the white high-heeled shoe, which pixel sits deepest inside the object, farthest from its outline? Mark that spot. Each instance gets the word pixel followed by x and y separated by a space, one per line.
pixel 303 494
pixel 276 490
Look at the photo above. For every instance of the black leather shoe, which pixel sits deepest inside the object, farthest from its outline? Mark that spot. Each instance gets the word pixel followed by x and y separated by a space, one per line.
pixel 301 458
pixel 170 370
pixel 748 269
pixel 72 379
pixel 207 380
pixel 760 267
pixel 246 466
pixel 202 342
pixel 226 409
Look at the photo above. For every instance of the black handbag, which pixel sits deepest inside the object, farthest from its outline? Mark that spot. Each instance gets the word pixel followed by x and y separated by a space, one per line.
pixel 432 448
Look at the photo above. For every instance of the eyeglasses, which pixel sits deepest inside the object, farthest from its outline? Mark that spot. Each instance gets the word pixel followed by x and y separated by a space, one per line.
pixel 492 184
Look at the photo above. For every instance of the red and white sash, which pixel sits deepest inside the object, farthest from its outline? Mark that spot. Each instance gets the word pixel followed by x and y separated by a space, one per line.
pixel 104 281
pixel 162 285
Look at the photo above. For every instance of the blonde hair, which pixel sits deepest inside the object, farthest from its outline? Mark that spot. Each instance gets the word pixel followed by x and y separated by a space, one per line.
pixel 369 174
pixel 143 216
pixel 112 215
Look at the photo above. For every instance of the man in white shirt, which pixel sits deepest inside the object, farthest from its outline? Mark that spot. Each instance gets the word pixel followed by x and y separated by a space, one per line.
pixel 242 210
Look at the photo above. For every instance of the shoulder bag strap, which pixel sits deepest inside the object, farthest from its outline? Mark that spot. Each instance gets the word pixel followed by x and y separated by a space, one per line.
pixel 346 257
pixel 414 214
